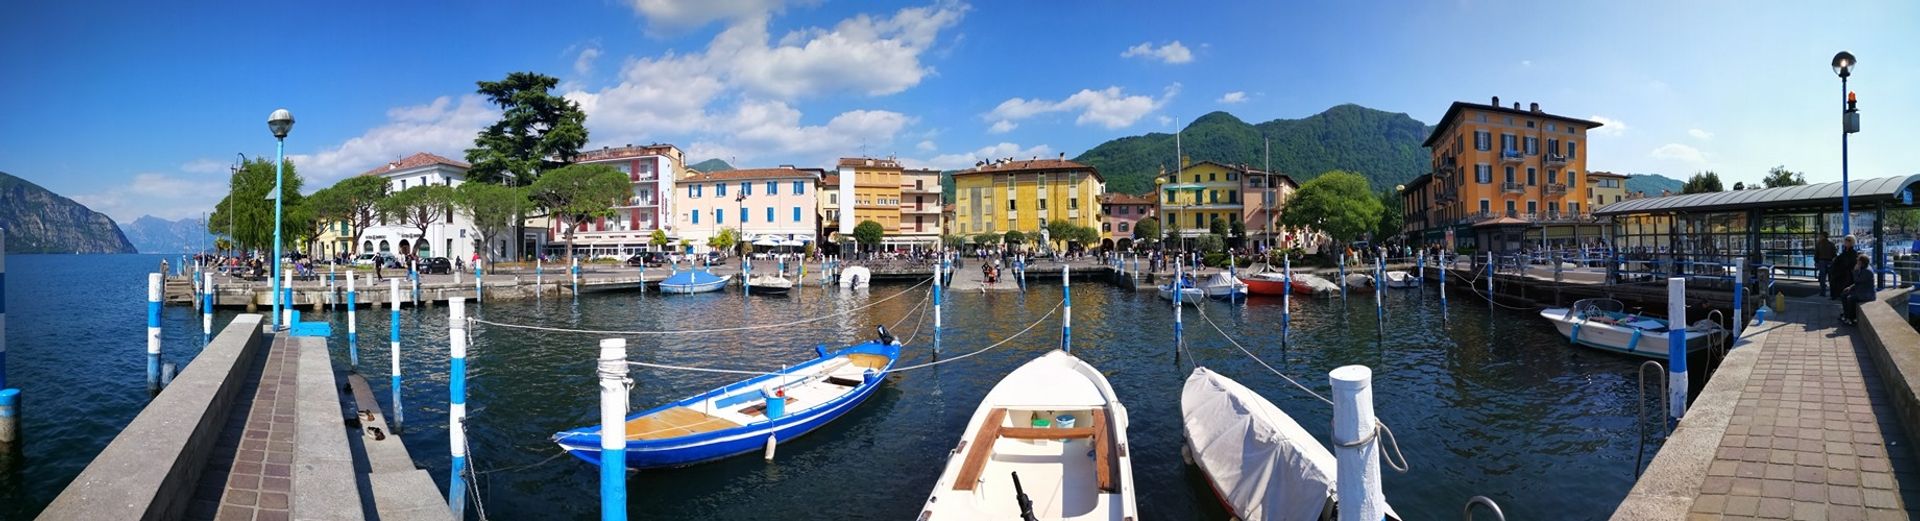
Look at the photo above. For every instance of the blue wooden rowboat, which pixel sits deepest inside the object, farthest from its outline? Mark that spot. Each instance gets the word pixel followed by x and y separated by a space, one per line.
pixel 696 281
pixel 734 419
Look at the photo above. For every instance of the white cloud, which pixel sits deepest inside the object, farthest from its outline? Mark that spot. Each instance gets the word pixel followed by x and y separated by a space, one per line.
pixel 1002 127
pixel 1608 126
pixel 1699 134
pixel 1233 97
pixel 1164 120
pixel 926 146
pixel 206 166
pixel 967 159
pixel 162 195
pixel 1526 63
pixel 1109 107
pixel 583 64
pixel 772 127
pixel 1170 53
pixel 1681 153
pixel 441 127
pixel 684 15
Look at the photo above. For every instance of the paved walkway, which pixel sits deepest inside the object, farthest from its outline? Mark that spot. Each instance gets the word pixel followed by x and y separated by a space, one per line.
pixel 1812 435
pixel 248 477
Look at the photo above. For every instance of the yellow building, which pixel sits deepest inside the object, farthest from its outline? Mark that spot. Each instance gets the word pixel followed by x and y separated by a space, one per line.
pixel 1025 195
pixel 1202 192
pixel 337 240
pixel 870 191
pixel 1604 188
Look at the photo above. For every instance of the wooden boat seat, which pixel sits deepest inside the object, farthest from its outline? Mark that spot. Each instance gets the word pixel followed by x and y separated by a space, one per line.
pixel 868 361
pixel 674 423
pixel 760 409
pixel 1106 468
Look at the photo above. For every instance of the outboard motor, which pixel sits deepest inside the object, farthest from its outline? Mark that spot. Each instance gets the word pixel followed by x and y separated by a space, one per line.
pixel 885 337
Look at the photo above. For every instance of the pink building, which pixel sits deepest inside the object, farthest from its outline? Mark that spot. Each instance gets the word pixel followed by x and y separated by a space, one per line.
pixel 653 170
pixel 1119 214
pixel 1264 194
pixel 766 206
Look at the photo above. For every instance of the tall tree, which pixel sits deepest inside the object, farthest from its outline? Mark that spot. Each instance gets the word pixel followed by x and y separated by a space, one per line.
pixel 1703 182
pixel 246 214
pixel 358 203
pixel 869 233
pixel 1338 203
pixel 573 194
pixel 315 213
pixel 986 239
pixel 1060 231
pixel 1392 215
pixel 420 207
pixel 538 131
pixel 1147 230
pixel 1014 237
pixel 1779 176
pixel 493 209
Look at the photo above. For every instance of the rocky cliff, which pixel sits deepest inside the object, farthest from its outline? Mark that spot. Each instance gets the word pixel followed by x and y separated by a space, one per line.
pixel 39 221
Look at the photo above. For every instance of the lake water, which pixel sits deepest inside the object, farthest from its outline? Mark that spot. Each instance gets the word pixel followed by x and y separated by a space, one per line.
pixel 1483 402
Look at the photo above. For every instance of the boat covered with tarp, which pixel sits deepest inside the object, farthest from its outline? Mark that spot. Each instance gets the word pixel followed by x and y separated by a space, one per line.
pixel 694 281
pixel 1258 460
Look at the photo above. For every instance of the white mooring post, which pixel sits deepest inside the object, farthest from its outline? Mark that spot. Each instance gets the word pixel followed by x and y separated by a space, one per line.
pixel 9 397
pixel 1420 270
pixel 1676 349
pixel 939 271
pixel 575 270
pixel 613 429
pixel 393 354
pixel 1356 444
pixel 1490 273
pixel 286 302
pixel 1066 317
pixel 1440 261
pixel 353 323
pixel 333 292
pixel 1343 277
pixel 477 287
pixel 154 285
pixel 1178 328
pixel 1739 301
pixel 457 406
pixel 206 306
pixel 1286 298
pixel 539 276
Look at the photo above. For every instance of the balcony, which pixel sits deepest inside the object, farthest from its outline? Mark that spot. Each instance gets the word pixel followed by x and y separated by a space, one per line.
pixel 1446 168
pixel 1511 156
pixel 1513 188
pixel 1556 159
pixel 1553 189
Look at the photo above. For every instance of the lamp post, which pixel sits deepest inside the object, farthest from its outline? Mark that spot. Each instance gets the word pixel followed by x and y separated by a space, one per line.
pixel 1843 66
pixel 280 122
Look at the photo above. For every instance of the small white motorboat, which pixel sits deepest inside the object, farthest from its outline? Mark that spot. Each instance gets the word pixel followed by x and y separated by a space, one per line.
pixel 1049 441
pixel 855 277
pixel 1310 284
pixel 1189 294
pixel 1359 282
pixel 1258 460
pixel 1224 287
pixel 775 284
pixel 1600 323
pixel 1402 280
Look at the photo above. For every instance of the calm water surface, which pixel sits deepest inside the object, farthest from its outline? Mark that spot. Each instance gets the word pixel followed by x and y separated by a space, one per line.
pixel 1484 403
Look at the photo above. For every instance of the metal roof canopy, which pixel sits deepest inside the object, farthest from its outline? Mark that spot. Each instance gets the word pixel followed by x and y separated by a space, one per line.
pixel 1863 192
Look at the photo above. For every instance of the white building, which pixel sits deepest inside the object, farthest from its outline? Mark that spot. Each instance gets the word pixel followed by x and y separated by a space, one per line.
pixel 451 237
pixel 653 170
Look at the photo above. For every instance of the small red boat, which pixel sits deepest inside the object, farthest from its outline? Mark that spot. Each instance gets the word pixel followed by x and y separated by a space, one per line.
pixel 1267 283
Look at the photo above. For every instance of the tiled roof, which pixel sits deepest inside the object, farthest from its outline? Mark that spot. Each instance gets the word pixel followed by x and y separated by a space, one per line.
pixel 862 162
pixel 832 181
pixel 416 161
pixel 1028 165
pixel 1605 174
pixel 1440 128
pixel 754 173
pixel 1119 198
pixel 606 153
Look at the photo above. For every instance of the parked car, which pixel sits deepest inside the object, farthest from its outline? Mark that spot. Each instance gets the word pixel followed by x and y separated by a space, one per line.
pixel 714 258
pixel 364 259
pixel 438 265
pixel 650 259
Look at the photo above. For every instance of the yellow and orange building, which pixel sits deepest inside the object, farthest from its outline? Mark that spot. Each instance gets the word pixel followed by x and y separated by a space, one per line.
pixel 1501 177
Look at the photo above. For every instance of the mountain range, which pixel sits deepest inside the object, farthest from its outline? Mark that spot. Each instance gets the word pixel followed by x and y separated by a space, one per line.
pixel 155 235
pixel 711 165
pixel 1382 146
pixel 1652 184
pixel 40 221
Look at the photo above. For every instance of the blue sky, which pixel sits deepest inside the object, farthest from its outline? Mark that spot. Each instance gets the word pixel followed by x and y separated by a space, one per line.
pixel 139 109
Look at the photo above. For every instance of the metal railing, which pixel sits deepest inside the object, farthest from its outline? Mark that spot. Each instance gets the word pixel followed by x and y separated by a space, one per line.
pixel 1556 189
pixel 1513 188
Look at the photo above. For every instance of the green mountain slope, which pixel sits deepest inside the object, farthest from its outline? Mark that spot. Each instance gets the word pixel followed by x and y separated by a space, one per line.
pixel 711 165
pixel 39 221
pixel 1652 184
pixel 1383 146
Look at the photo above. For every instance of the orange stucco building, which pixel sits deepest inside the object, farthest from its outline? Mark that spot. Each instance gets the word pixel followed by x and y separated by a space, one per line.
pixel 1498 172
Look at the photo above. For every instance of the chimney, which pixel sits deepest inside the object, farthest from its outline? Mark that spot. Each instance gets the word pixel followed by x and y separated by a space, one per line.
pixel 1496 101
pixel 1535 106
pixel 1063 156
pixel 1516 105
pixel 1184 161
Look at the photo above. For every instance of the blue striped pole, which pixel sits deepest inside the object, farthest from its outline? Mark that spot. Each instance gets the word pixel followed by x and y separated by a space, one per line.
pixel 1343 276
pixel 1490 273
pixel 1440 259
pixel 939 271
pixel 643 276
pixel 333 292
pixel 353 328
pixel 746 273
pixel 153 330
pixel 477 288
pixel 539 277
pixel 575 270
pixel 1420 259
pixel 206 307
pixel 1380 286
pixel 9 397
pixel 393 353
pixel 1066 319
pixel 413 275
pixel 613 429
pixel 1286 298
pixel 457 408
pixel 1676 349
pixel 1179 328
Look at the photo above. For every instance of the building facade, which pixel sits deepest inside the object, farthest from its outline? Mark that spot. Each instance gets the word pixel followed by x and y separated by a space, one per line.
pixel 1198 194
pixel 869 189
pixel 1120 214
pixel 767 207
pixel 827 199
pixel 1604 188
pixel 450 236
pixel 919 210
pixel 1264 195
pixel 1498 171
pixel 1026 195
pixel 654 171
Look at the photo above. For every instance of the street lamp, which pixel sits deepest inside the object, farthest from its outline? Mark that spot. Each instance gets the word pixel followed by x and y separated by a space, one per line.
pixel 1843 66
pixel 280 123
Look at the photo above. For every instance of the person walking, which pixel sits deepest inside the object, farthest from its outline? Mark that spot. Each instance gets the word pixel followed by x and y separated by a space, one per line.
pixel 1858 291
pixel 1840 272
pixel 1823 255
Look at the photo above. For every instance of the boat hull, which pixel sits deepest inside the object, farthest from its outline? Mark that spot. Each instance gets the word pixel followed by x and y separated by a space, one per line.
pixel 692 288
pixel 1188 296
pixel 1618 339
pixel 1260 286
pixel 1402 280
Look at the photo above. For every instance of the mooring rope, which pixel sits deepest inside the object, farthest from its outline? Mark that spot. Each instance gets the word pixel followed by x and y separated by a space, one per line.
pixel 1004 341
pixel 701 331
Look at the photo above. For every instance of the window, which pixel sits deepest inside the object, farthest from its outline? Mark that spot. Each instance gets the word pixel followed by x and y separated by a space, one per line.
pixel 744 215
pixel 1233 197
pixel 1213 196
pixel 1530 176
pixel 720 215
pixel 693 191
pixel 1106 227
pixel 746 188
pixel 1211 176
pixel 1483 173
pixel 1550 127
pixel 1533 207
pixel 1509 174
pixel 1123 226
pixel 1553 146
pixel 1533 146
pixel 919 184
pixel 1484 208
pixel 773 188
pixel 719 189
pixel 1530 123
pixel 1233 176
pixel 1553 208
pixel 696 217
pixel 799 188
pixel 1073 204
pixel 1573 150
pixel 833 198
pixel 1482 141
pixel 1553 176
pixel 403 184
pixel 1043 205
pixel 796 214
pixel 770 214
pixel 1013 204
pixel 1509 120
pixel 1507 145
pixel 1196 178
pixel 1510 210
pixel 1574 208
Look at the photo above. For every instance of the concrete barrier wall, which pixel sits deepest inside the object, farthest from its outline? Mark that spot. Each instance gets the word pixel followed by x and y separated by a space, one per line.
pixel 1896 353
pixel 149 471
pixel 323 483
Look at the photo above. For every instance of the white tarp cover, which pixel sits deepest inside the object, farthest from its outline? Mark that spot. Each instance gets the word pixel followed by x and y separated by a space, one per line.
pixel 1264 465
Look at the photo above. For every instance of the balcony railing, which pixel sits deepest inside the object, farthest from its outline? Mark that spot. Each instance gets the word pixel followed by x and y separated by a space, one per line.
pixel 1511 155
pixel 1556 189
pixel 1556 159
pixel 1513 188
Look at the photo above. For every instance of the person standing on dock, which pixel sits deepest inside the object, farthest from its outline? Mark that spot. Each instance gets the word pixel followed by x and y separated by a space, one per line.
pixel 1858 291
pixel 1840 271
pixel 1823 255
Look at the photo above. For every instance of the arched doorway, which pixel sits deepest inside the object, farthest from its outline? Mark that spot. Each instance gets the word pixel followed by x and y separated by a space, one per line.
pixel 367 246
pixel 1125 244
pixel 384 247
pixel 405 248
pixel 1106 244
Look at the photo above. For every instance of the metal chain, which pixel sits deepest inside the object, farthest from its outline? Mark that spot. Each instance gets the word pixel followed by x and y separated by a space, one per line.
pixel 704 331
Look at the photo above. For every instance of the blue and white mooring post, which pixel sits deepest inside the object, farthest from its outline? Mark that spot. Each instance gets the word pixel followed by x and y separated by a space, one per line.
pixel 353 328
pixel 1356 443
pixel 1286 298
pixel 477 287
pixel 1066 317
pixel 9 397
pixel 1343 277
pixel 939 271
pixel 1676 349
pixel 1178 327
pixel 746 275
pixel 575 270
pixel 1739 301
pixel 613 429
pixel 153 330
pixel 457 408
pixel 286 298
pixel 1439 260
pixel 1490 273
pixel 540 276
pixel 399 413
pixel 413 275
pixel 206 307
pixel 1420 269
